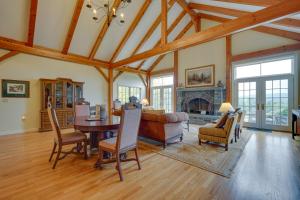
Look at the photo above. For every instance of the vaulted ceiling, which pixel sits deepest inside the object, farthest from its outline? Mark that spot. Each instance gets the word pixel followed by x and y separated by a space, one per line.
pixel 56 28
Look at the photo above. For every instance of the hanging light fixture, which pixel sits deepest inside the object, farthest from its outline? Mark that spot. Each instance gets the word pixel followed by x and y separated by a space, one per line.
pixel 101 9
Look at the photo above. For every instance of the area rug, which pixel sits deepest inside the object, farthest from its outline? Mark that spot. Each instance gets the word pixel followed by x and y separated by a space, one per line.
pixel 208 156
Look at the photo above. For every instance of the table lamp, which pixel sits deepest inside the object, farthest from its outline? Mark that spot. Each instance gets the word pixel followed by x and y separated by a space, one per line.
pixel 145 102
pixel 226 107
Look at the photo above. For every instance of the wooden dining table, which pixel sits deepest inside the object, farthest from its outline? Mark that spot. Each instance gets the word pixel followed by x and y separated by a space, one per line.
pixel 98 129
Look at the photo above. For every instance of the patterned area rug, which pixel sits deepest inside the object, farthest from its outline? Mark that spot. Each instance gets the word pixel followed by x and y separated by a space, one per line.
pixel 208 156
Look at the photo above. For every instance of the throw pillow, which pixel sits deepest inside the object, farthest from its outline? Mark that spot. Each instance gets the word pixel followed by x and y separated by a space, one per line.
pixel 222 121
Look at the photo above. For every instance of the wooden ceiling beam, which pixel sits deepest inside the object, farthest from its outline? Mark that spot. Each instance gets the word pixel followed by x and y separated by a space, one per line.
pixel 72 26
pixel 162 71
pixel 236 25
pixel 170 29
pixel 132 27
pixel 264 3
pixel 262 29
pixel 191 12
pixel 295 23
pixel 102 73
pixel 102 32
pixel 266 52
pixel 8 55
pixel 32 19
pixel 151 30
pixel 117 75
pixel 131 70
pixel 38 51
pixel 180 35
pixel 164 23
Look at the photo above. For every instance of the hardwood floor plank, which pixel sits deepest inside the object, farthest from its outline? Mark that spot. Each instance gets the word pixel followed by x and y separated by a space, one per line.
pixel 268 169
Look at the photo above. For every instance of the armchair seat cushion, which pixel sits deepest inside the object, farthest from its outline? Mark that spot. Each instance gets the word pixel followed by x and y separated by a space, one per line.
pixel 212 131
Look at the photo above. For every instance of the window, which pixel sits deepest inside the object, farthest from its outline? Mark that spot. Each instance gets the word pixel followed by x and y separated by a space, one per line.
pixel 124 92
pixel 277 67
pixel 162 93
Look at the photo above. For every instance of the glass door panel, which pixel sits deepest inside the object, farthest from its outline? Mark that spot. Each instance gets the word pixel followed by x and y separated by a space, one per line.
pixel 247 101
pixel 167 100
pixel 276 103
pixel 156 98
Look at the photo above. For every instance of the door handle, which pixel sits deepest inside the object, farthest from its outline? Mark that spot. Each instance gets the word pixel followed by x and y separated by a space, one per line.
pixel 262 106
pixel 257 106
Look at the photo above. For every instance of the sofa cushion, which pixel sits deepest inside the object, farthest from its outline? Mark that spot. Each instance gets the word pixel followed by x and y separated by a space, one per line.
pixel 217 132
pixel 176 117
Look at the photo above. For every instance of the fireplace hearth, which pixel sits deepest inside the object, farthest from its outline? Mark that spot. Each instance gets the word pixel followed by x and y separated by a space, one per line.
pixel 202 104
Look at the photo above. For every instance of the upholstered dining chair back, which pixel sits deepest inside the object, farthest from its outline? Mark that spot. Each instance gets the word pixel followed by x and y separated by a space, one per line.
pixel 54 122
pixel 82 110
pixel 130 123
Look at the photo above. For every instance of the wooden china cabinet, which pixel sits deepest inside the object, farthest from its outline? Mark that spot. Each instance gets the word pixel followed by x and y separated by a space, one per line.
pixel 62 93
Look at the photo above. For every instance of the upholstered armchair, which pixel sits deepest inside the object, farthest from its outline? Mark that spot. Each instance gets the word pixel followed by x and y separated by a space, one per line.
pixel 219 134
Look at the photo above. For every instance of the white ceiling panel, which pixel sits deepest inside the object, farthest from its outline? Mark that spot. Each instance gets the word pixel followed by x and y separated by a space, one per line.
pixel 116 32
pixel 142 28
pixel 14 19
pixel 186 19
pixel 52 22
pixel 229 5
pixel 86 32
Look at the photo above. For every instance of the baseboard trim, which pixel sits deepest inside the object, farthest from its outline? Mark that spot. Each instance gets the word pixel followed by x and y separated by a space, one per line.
pixel 12 132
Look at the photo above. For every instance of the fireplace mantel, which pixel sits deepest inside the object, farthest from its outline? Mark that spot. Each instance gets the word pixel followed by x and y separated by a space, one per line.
pixel 183 89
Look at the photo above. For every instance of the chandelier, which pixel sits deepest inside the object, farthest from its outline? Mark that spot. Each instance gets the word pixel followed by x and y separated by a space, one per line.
pixel 101 9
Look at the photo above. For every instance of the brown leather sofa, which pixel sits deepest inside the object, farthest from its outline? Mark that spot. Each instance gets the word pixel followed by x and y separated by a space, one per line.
pixel 162 127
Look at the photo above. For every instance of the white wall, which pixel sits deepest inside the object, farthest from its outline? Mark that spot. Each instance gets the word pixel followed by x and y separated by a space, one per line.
pixel 32 68
pixel 128 79
pixel 214 52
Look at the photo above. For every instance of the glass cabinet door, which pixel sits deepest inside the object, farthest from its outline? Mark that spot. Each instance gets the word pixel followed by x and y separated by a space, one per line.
pixel 69 95
pixel 48 94
pixel 59 94
pixel 78 92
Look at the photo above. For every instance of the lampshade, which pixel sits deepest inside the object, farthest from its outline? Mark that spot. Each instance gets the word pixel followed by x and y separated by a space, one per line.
pixel 226 107
pixel 145 102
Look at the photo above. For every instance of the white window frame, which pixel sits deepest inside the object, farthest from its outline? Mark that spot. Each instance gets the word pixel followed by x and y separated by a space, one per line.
pixel 295 70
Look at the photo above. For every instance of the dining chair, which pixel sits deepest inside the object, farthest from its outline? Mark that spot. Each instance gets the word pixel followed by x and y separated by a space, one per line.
pixel 82 109
pixel 126 139
pixel 61 140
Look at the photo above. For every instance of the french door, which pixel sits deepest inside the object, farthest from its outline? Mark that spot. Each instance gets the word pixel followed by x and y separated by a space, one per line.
pixel 267 101
pixel 162 98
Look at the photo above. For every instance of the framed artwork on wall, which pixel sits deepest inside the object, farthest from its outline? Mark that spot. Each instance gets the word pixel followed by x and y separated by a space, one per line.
pixel 15 88
pixel 200 76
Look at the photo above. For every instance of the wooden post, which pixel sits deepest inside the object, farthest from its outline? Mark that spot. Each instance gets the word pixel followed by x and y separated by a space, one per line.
pixel 228 68
pixel 164 21
pixel 110 93
pixel 175 78
pixel 148 87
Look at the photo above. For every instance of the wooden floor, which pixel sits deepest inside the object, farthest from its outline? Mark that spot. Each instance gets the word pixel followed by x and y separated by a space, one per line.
pixel 268 169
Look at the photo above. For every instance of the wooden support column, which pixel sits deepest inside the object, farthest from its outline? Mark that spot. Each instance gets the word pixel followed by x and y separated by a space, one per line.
pixel 228 69
pixel 148 88
pixel 164 22
pixel 110 93
pixel 175 78
pixel 32 19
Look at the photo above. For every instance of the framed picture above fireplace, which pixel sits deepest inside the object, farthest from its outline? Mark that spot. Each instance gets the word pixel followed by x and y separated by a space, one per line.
pixel 200 76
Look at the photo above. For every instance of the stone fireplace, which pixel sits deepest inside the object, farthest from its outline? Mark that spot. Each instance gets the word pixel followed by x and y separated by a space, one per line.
pixel 202 104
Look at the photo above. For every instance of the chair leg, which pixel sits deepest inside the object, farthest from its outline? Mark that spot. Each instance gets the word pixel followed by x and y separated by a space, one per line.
pixel 53 150
pixel 199 141
pixel 100 159
pixel 119 167
pixel 85 150
pixel 57 156
pixel 137 158
pixel 226 147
